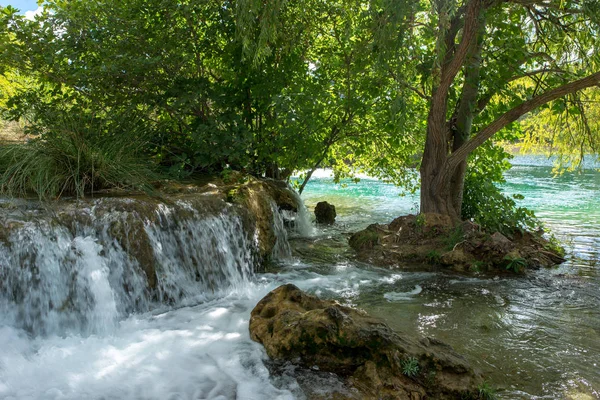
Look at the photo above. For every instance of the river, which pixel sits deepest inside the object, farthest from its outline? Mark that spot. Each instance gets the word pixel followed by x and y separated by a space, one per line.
pixel 533 337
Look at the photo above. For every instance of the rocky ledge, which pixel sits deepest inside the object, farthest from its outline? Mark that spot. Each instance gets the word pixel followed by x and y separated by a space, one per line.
pixel 433 239
pixel 372 359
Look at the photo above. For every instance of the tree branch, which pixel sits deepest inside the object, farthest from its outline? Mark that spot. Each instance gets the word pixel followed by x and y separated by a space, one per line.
pixel 470 30
pixel 512 115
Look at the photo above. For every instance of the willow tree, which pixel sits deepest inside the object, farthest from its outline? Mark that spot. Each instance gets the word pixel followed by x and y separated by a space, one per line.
pixel 481 65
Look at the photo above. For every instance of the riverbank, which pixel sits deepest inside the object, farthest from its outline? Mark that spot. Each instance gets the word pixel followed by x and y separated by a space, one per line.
pixel 532 337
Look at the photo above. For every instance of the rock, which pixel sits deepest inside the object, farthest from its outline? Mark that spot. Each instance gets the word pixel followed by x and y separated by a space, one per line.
pixel 283 195
pixel 498 240
pixel 436 223
pixel 456 258
pixel 373 359
pixel 365 239
pixel 464 247
pixel 403 225
pixel 325 213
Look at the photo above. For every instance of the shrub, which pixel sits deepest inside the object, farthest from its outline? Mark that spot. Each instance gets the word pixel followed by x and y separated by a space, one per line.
pixel 515 264
pixel 483 201
pixel 433 257
pixel 72 163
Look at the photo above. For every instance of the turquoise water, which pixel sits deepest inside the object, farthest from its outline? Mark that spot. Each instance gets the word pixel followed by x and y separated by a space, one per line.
pixel 533 337
pixel 569 205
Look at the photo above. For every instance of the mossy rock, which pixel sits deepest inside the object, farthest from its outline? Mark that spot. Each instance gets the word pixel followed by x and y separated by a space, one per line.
pixel 301 328
pixel 365 239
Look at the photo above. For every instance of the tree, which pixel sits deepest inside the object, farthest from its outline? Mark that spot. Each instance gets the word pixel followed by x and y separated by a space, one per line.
pixel 474 76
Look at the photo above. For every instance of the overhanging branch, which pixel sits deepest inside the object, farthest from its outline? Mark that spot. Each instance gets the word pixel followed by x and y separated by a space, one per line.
pixel 515 113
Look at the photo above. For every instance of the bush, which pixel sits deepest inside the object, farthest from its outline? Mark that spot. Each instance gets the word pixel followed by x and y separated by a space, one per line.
pixel 484 203
pixel 72 163
pixel 495 212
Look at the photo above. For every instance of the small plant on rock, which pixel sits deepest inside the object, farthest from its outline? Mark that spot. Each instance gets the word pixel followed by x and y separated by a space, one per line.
pixel 515 264
pixel 420 222
pixel 410 367
pixel 486 392
pixel 476 266
pixel 456 236
pixel 555 246
pixel 433 257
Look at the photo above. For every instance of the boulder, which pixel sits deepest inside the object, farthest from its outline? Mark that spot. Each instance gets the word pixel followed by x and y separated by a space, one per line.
pixel 365 239
pixel 363 350
pixel 325 213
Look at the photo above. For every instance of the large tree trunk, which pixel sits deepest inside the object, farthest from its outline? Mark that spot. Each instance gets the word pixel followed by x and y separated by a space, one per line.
pixel 438 188
pixel 441 189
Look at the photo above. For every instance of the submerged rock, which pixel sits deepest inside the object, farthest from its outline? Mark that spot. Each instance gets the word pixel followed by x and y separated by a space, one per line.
pixel 325 213
pixel 370 356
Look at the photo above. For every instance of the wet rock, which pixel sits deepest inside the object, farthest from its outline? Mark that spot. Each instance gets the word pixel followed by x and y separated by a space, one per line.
pixel 425 238
pixel 456 258
pixel 257 200
pixel 365 239
pixel 325 213
pixel 500 243
pixel 282 194
pixel 370 356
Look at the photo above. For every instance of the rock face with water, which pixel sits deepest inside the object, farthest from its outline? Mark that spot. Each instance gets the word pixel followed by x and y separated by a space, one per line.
pixel 433 239
pixel 80 266
pixel 373 359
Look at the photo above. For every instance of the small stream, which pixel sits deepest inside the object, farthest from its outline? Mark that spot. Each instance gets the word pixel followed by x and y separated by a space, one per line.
pixel 534 337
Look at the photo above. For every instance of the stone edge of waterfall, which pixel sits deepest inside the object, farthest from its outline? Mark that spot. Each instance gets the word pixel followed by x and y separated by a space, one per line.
pixel 81 266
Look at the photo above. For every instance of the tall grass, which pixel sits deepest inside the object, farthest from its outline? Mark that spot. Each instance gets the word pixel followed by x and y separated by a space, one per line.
pixel 69 162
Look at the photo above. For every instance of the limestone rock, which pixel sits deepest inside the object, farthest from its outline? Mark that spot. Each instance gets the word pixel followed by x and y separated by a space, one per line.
pixel 295 326
pixel 325 213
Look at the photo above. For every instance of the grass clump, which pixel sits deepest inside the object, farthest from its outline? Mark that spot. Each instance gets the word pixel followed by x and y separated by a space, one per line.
pixel 515 264
pixel 410 367
pixel 433 257
pixel 486 392
pixel 73 163
pixel 454 237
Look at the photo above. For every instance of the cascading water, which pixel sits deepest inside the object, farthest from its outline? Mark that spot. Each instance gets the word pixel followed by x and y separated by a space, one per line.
pixel 302 225
pixel 58 279
pixel 133 299
pixel 282 249
pixel 211 255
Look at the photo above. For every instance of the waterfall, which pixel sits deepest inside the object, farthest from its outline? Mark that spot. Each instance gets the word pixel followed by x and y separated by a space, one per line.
pixel 52 281
pixel 282 249
pixel 84 269
pixel 202 253
pixel 299 221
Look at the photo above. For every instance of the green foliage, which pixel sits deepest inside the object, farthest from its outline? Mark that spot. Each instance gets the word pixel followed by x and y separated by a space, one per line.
pixel 433 256
pixel 454 237
pixel 476 266
pixel 484 203
pixel 235 195
pixel 420 221
pixel 410 367
pixel 71 162
pixel 294 85
pixel 555 246
pixel 486 392
pixel 515 264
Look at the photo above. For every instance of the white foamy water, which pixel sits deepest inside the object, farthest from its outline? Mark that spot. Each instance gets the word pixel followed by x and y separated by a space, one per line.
pixel 78 320
pixel 399 296
pixel 196 352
